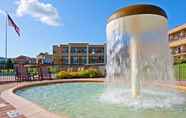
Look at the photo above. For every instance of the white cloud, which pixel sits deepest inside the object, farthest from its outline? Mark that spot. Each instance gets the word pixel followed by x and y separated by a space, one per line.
pixel 44 12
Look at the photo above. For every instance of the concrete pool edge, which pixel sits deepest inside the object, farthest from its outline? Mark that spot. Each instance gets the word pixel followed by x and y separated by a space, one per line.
pixel 30 109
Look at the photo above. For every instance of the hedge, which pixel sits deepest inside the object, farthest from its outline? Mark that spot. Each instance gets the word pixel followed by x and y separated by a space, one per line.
pixel 90 73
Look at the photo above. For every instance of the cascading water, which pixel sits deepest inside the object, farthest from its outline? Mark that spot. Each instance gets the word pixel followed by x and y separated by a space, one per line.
pixel 139 63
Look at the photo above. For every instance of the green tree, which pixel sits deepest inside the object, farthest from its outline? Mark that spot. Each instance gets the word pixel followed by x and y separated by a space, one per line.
pixel 9 64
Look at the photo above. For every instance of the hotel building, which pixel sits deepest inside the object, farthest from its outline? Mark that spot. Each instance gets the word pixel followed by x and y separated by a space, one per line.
pixel 79 54
pixel 177 42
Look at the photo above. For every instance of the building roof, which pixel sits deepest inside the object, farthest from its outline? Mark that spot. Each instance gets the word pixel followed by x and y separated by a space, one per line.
pixel 79 44
pixel 178 28
pixel 22 56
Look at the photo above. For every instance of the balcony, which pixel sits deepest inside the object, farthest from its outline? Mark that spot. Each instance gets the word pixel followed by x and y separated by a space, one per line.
pixel 177 43
pixel 172 39
pixel 179 54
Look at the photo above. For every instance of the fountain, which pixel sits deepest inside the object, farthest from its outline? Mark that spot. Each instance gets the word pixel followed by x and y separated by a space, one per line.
pixel 138 56
pixel 140 80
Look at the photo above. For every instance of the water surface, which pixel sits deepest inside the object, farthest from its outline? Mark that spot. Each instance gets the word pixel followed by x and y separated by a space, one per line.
pixel 82 100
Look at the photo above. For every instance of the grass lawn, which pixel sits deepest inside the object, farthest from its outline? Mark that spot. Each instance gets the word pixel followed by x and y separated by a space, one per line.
pixel 180 71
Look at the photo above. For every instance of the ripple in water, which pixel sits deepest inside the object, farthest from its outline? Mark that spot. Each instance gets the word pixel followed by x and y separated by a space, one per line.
pixel 147 100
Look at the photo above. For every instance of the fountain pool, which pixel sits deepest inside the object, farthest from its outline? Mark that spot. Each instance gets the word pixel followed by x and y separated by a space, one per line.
pixel 82 100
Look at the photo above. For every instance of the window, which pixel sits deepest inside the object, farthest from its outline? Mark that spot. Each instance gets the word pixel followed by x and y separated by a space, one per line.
pixel 84 50
pixel 65 50
pixel 171 38
pixel 74 50
pixel 65 60
pixel 178 50
pixel 94 59
pixel 101 59
pixel 84 60
pixel 74 60
pixel 100 50
pixel 184 34
pixel 176 36
pixel 92 50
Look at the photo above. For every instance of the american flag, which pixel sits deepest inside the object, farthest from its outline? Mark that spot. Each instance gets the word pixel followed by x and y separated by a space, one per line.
pixel 12 23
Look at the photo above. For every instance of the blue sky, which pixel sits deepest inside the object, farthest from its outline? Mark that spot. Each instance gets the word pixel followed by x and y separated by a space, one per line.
pixel 44 23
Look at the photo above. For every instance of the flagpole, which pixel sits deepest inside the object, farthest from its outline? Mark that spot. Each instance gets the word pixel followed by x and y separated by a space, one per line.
pixel 6 36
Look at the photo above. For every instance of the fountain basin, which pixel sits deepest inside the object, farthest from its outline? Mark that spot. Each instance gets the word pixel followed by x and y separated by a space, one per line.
pixel 74 100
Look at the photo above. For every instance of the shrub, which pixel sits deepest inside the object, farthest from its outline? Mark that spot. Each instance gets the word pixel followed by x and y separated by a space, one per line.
pixel 63 74
pixel 84 74
pixel 99 73
pixel 32 71
pixel 90 73
pixel 183 61
pixel 74 74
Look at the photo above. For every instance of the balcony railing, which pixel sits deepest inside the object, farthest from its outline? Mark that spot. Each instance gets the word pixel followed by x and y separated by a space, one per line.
pixel 178 38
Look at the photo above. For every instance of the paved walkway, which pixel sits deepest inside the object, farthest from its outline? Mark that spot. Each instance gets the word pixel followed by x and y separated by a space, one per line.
pixel 8 111
pixel 6 86
pixel 6 108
